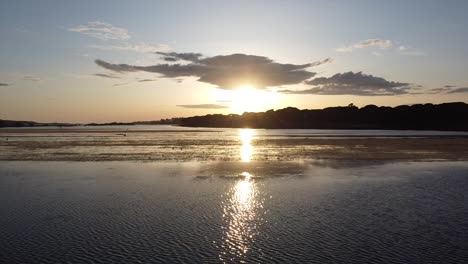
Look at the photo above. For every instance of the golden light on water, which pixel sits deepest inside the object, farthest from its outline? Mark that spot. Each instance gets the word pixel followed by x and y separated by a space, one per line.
pixel 243 192
pixel 242 212
pixel 246 150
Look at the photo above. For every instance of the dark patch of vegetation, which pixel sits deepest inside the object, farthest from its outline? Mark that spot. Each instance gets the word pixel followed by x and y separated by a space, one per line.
pixel 13 123
pixel 446 116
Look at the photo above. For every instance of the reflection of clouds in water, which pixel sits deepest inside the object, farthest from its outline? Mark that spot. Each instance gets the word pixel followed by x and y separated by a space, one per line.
pixel 246 150
pixel 242 212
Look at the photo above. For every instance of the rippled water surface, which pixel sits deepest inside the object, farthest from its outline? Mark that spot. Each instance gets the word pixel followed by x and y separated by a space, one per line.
pixel 233 212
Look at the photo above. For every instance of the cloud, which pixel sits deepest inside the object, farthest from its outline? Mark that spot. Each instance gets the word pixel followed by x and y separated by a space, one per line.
pixel 225 71
pixel 102 31
pixel 116 67
pixel 174 56
pixel 379 43
pixel 324 61
pixel 32 78
pixel 120 84
pixel 5 84
pixel 459 90
pixel 205 106
pixel 350 83
pixel 140 47
pixel 106 75
pixel 147 80
pixel 449 89
pixel 406 50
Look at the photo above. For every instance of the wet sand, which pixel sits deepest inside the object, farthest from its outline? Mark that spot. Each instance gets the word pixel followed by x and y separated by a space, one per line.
pixel 212 145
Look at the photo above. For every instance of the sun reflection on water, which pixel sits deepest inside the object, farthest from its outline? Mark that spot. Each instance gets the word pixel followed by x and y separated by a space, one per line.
pixel 246 150
pixel 242 210
pixel 243 213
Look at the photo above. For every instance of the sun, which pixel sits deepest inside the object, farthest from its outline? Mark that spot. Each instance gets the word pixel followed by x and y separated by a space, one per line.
pixel 248 99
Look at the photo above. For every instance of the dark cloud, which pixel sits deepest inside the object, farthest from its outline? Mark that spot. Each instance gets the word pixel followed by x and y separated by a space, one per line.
pixel 324 61
pixel 350 83
pixel 106 75
pixel 5 84
pixel 444 89
pixel 120 84
pixel 459 90
pixel 226 71
pixel 147 80
pixel 205 106
pixel 175 56
pixel 169 59
pixel 448 89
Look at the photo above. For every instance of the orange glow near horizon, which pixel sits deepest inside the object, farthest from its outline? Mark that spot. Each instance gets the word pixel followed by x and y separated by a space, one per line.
pixel 247 99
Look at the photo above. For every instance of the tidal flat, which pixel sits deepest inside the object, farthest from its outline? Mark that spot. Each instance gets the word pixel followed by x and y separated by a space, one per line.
pixel 180 195
pixel 170 143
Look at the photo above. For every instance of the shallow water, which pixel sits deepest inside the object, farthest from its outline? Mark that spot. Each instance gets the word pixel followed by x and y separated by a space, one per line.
pixel 213 212
pixel 170 143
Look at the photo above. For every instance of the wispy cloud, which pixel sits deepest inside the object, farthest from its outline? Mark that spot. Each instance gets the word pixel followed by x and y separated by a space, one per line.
pixel 5 84
pixel 225 71
pixel 324 61
pixel 147 80
pixel 406 50
pixel 32 78
pixel 101 30
pixel 459 90
pixel 140 47
pixel 449 89
pixel 350 83
pixel 120 84
pixel 382 44
pixel 106 75
pixel 205 106
pixel 378 43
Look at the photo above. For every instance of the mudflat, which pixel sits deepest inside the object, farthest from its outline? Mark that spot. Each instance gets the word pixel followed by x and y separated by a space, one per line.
pixel 228 145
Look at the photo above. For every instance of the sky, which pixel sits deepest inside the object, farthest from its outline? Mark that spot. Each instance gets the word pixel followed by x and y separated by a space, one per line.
pixel 103 61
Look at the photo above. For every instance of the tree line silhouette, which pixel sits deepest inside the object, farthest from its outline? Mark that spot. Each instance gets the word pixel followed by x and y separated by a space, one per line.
pixel 446 116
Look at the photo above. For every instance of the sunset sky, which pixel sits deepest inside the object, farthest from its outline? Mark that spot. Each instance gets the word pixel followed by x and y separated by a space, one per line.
pixel 101 61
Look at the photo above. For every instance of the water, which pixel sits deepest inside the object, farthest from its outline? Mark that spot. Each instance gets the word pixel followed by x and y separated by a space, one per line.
pixel 179 195
pixel 233 212
pixel 262 132
pixel 164 143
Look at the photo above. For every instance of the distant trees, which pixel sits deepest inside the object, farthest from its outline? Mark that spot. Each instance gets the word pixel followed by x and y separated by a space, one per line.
pixel 447 116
